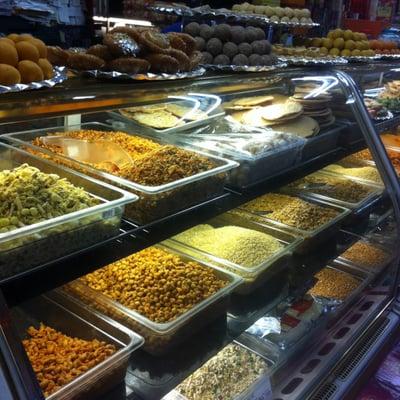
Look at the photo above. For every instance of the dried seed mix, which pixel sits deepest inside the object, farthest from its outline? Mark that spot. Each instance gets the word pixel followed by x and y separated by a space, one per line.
pixel 337 188
pixel 366 255
pixel 291 211
pixel 367 173
pixel 224 376
pixel 57 359
pixel 154 164
pixel 155 283
pixel 242 246
pixel 28 196
pixel 334 284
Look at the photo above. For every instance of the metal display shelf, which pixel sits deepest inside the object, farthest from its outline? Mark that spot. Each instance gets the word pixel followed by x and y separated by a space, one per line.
pixel 150 377
pixel 388 124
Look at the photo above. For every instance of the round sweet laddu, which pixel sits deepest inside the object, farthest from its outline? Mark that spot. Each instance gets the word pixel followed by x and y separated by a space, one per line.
pixel 245 48
pixel 206 31
pixel 27 51
pixel 40 45
pixel 223 32
pixel 260 34
pixel 46 68
pixel 8 54
pixel 9 75
pixel 240 59
pixel 8 41
pixel 230 49
pixel 200 43
pixel 238 34
pixel 30 71
pixel 251 34
pixel 193 29
pixel 13 36
pixel 207 58
pixel 221 59
pixel 214 46
pixel 255 59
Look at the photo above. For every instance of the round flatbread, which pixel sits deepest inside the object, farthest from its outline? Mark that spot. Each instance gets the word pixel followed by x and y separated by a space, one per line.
pixel 281 111
pixel 302 126
pixel 158 119
pixel 253 101
pixel 182 111
pixel 254 117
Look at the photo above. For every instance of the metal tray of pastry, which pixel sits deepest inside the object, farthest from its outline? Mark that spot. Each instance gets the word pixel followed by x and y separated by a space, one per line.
pixel 244 68
pixel 222 13
pixel 311 238
pixel 160 337
pixel 362 59
pixel 210 115
pixel 303 61
pixel 68 317
pixel 60 75
pixel 357 207
pixel 148 76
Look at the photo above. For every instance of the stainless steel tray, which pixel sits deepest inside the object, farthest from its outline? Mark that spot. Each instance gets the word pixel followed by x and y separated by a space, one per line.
pixel 244 68
pixel 60 75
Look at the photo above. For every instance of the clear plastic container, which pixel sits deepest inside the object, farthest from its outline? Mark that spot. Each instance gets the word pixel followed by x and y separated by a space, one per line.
pixel 311 238
pixel 375 191
pixel 253 168
pixel 155 201
pixel 70 318
pixel 161 337
pixel 32 245
pixel 259 388
pixel 252 277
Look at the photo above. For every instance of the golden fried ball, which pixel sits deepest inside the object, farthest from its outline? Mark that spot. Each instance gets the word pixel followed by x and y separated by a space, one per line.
pixel 27 51
pixel 24 36
pixel 40 46
pixel 13 36
pixel 46 67
pixel 30 71
pixel 8 54
pixel 9 75
pixel 8 41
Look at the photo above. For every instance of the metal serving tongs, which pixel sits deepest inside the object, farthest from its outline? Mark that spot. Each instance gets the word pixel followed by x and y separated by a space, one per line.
pixel 90 152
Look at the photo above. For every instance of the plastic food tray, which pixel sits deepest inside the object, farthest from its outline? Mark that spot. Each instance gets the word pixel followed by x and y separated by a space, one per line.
pixel 32 245
pixel 349 239
pixel 253 169
pixel 259 387
pixel 155 201
pixel 359 207
pixel 253 277
pixel 70 318
pixel 161 337
pixel 310 238
pixel 322 143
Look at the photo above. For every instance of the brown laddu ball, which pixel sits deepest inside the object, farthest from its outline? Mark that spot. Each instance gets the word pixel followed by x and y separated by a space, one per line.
pixel 9 75
pixel 27 51
pixel 8 54
pixel 30 71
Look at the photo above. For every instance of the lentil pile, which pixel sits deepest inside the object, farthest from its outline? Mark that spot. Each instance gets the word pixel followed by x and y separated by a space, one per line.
pixel 333 284
pixel 337 188
pixel 153 164
pixel 57 359
pixel 155 283
pixel 366 255
pixel 291 211
pixel 361 156
pixel 28 196
pixel 368 173
pixel 224 376
pixel 238 245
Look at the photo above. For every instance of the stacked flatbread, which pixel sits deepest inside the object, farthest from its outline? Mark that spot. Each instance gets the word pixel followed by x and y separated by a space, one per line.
pixel 315 106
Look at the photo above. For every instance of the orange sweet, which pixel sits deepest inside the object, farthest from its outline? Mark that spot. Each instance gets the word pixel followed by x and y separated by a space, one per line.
pixel 46 68
pixel 8 54
pixel 9 75
pixel 27 51
pixel 30 71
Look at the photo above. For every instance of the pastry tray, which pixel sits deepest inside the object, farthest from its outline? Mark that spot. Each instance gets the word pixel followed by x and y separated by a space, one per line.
pixel 310 238
pixel 161 337
pixel 244 68
pixel 36 244
pixel 302 61
pixel 149 76
pixel 155 201
pixel 60 75
pixel 252 277
pixel 222 13
pixel 357 208
pixel 74 320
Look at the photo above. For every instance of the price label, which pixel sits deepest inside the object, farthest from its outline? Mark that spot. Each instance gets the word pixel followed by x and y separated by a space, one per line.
pixel 262 390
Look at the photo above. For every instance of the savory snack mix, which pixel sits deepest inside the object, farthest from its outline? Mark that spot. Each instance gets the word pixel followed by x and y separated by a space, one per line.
pixel 58 359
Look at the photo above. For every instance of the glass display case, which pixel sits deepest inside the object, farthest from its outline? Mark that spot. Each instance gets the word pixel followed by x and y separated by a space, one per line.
pixel 259 229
